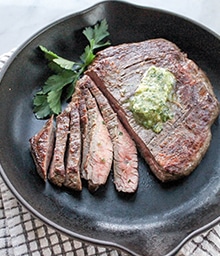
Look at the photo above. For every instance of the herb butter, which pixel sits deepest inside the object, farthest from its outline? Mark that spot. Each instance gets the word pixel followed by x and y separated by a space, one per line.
pixel 151 101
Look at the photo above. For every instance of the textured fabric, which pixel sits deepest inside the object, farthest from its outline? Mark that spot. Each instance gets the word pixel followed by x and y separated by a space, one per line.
pixel 21 234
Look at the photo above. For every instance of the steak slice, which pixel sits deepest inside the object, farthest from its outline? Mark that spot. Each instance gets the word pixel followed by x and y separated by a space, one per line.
pixel 84 125
pixel 97 146
pixel 42 145
pixel 73 161
pixel 180 146
pixel 57 170
pixel 125 164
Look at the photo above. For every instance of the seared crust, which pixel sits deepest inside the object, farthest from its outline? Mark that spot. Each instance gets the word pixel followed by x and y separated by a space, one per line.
pixel 73 160
pixel 57 170
pixel 179 148
pixel 117 71
pixel 42 145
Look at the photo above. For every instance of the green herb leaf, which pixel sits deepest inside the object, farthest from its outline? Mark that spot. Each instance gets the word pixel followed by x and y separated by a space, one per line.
pixel 54 100
pixel 48 101
pixel 48 54
pixel 63 63
pixel 87 57
pixel 96 35
pixel 41 106
pixel 58 81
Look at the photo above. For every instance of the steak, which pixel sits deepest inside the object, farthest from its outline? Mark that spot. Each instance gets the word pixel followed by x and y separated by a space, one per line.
pixel 97 147
pixel 180 146
pixel 42 145
pixel 73 160
pixel 125 166
pixel 84 125
pixel 57 170
pixel 125 162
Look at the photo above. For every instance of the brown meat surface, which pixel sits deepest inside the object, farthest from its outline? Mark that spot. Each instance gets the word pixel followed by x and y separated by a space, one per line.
pixel 42 145
pixel 179 148
pixel 97 149
pixel 57 170
pixel 125 164
pixel 73 159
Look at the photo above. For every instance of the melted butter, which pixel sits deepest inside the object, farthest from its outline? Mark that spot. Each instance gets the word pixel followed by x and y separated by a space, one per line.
pixel 151 101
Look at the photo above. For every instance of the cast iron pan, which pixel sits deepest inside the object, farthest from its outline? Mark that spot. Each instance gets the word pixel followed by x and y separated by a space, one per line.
pixel 159 218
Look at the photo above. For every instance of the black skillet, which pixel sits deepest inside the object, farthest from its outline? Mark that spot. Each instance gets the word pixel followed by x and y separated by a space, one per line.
pixel 158 219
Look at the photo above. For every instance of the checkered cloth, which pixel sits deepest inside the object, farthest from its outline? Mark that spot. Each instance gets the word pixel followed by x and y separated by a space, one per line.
pixel 21 234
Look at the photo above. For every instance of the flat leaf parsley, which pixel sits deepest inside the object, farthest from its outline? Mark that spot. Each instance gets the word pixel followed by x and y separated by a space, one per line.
pixel 48 100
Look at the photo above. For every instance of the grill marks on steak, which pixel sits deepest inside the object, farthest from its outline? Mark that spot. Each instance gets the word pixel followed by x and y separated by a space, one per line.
pixel 179 148
pixel 97 146
pixel 125 162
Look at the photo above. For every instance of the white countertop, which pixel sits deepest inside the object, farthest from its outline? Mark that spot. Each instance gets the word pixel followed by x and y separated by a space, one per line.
pixel 21 19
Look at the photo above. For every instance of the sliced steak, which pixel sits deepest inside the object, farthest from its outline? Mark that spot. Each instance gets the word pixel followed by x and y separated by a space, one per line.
pixel 125 164
pixel 42 145
pixel 98 149
pixel 73 161
pixel 180 146
pixel 57 168
pixel 84 125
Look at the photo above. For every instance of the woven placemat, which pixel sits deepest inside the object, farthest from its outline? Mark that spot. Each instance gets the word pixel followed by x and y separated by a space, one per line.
pixel 21 234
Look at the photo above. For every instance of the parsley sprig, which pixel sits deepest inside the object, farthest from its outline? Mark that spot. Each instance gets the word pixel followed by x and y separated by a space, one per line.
pixel 49 99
